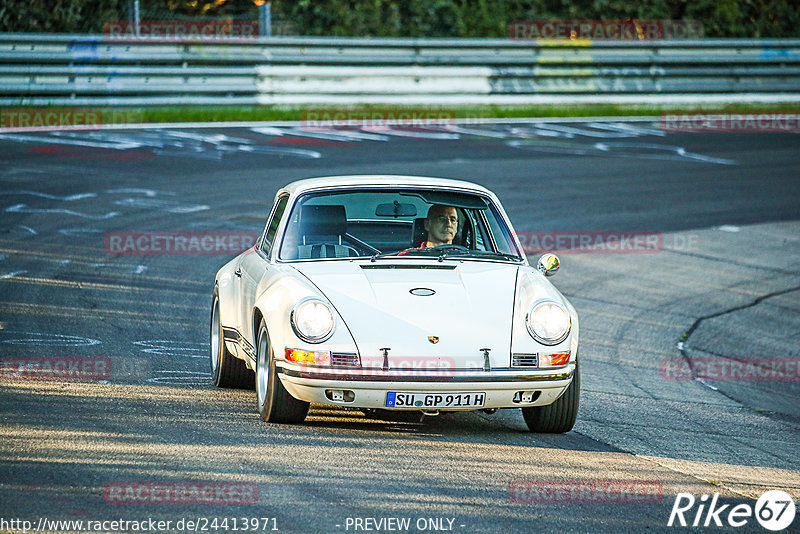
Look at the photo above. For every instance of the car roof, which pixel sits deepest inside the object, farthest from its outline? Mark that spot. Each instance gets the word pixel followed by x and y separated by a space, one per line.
pixel 307 184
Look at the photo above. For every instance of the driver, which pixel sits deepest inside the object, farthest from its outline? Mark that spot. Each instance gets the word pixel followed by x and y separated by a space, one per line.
pixel 441 225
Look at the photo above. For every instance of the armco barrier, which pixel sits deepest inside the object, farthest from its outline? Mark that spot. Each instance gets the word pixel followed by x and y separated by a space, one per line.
pixel 95 70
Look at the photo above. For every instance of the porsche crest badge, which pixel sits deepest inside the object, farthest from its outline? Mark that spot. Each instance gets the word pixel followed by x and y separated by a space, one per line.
pixel 433 339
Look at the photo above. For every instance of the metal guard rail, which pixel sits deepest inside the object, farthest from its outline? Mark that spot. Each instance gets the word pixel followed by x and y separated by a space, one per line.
pixel 96 69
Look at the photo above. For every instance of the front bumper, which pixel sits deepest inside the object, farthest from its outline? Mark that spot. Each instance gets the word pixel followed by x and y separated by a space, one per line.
pixel 369 387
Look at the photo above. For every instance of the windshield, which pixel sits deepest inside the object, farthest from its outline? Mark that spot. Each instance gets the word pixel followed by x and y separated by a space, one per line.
pixel 396 223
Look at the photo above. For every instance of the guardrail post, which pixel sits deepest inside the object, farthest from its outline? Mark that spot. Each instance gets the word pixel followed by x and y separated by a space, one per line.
pixel 136 18
pixel 265 19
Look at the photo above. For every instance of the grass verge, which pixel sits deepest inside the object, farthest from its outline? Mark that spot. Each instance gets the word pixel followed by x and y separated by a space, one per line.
pixel 236 113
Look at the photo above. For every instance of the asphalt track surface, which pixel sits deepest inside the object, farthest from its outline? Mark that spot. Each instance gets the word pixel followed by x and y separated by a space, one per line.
pixel 728 206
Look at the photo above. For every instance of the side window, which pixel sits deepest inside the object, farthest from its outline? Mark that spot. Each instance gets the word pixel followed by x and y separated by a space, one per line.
pixel 480 241
pixel 501 233
pixel 272 227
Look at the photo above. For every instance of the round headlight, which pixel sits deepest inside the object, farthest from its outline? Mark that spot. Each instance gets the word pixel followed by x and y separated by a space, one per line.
pixel 312 320
pixel 548 322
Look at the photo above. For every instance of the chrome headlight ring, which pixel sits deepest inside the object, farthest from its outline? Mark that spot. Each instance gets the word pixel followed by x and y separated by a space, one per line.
pixel 312 320
pixel 548 322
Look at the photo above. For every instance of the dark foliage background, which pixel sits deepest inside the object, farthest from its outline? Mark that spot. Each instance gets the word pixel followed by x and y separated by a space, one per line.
pixel 409 18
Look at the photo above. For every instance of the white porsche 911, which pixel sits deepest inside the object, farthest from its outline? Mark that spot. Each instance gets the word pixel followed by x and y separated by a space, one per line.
pixel 394 293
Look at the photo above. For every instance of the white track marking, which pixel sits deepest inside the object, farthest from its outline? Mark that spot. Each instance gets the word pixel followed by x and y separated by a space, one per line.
pixel 416 134
pixel 280 151
pixel 132 268
pixel 172 348
pixel 208 138
pixel 522 131
pixel 68 141
pixel 78 231
pixel 163 205
pixel 268 130
pixel 11 274
pixel 728 228
pixel 352 134
pixel 23 208
pixel 623 127
pixel 138 191
pixel 666 152
pixel 181 378
pixel 480 133
pixel 68 198
pixel 29 229
pixel 604 134
pixel 336 135
pixel 41 339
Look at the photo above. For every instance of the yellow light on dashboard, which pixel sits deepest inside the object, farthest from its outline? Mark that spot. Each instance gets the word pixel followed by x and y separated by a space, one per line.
pixel 308 356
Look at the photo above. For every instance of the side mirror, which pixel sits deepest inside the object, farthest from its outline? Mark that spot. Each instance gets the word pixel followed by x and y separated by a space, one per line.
pixel 548 264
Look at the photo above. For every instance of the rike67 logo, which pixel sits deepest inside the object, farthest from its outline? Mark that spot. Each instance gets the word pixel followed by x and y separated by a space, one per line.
pixel 774 510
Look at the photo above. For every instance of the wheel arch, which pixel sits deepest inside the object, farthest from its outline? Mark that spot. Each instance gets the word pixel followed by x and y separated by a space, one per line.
pixel 257 318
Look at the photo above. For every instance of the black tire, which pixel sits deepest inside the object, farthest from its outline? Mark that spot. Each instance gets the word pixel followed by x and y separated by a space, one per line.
pixel 275 404
pixel 227 371
pixel 559 417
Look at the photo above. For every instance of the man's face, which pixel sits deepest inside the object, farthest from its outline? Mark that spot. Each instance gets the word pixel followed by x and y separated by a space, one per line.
pixel 442 226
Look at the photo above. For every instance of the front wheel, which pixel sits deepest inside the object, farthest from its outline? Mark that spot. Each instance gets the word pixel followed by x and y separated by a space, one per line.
pixel 275 404
pixel 560 416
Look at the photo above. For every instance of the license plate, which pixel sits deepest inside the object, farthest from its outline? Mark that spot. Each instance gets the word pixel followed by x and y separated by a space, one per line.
pixel 402 399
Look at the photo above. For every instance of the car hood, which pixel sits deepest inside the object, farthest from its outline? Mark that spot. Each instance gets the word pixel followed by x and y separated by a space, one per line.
pixel 471 309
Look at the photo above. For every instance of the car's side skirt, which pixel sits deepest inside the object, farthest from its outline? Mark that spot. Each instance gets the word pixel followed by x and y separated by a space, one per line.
pixel 232 335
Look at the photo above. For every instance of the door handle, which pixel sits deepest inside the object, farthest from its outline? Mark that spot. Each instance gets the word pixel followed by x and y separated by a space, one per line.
pixel 238 272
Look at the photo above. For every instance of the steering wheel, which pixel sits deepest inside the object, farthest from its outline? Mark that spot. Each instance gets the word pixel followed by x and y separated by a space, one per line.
pixel 451 246
pixel 350 248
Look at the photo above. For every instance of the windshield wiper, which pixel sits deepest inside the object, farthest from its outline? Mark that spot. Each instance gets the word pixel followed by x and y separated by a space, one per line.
pixel 506 256
pixel 380 255
pixel 445 253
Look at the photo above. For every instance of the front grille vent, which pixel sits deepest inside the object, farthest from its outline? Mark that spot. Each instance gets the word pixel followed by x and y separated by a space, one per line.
pixel 525 360
pixel 345 359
